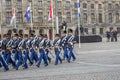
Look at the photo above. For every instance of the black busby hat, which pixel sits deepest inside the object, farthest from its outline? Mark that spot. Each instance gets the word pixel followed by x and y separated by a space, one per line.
pixel 57 35
pixel 20 35
pixel 31 35
pixel 70 30
pixel 16 35
pixel 25 35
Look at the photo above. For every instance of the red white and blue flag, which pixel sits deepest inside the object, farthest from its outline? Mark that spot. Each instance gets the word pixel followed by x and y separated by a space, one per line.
pixel 13 16
pixel 78 5
pixel 50 13
pixel 28 13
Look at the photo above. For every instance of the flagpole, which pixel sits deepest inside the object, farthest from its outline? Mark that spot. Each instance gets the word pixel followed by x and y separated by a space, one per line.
pixel 31 17
pixel 79 23
pixel 15 20
pixel 53 20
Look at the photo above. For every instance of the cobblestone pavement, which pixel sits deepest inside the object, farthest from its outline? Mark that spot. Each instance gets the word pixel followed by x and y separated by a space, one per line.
pixel 95 61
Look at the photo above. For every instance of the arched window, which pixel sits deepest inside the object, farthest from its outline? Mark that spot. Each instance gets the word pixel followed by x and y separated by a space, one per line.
pixel 116 6
pixel 92 6
pixel 109 6
pixel 84 5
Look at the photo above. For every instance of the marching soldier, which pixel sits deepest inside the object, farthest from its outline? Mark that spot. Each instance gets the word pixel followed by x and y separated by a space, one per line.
pixel 20 58
pixel 71 41
pixel 3 46
pixel 64 45
pixel 15 46
pixel 32 47
pixel 2 60
pixel 9 58
pixel 25 52
pixel 57 45
pixel 47 48
pixel 41 46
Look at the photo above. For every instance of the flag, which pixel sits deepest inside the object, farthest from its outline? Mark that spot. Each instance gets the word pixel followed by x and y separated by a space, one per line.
pixel 27 14
pixel 13 16
pixel 50 13
pixel 78 2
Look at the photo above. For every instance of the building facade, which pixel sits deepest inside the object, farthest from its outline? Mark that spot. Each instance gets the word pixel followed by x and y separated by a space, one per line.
pixel 97 16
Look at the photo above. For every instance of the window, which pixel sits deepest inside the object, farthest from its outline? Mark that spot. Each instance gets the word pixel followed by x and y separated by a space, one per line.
pixel 75 5
pixel 8 4
pixel 92 18
pixel 40 17
pixel 39 3
pixel 68 17
pixel 100 17
pixel 75 16
pixel 110 17
pixel 109 6
pixel 99 6
pixel 93 31
pixel 48 3
pixel 85 17
pixel 67 4
pixel 58 4
pixel 8 17
pixel 92 6
pixel 84 5
pixel 101 30
pixel 19 17
pixel 116 6
pixel 86 30
pixel 60 17
pixel 19 3
pixel 117 18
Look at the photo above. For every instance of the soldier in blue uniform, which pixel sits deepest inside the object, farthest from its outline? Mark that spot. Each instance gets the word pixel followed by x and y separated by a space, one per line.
pixel 41 47
pixel 20 58
pixel 47 48
pixel 2 60
pixel 71 41
pixel 3 46
pixel 64 45
pixel 33 53
pixel 57 45
pixel 15 46
pixel 9 58
pixel 25 52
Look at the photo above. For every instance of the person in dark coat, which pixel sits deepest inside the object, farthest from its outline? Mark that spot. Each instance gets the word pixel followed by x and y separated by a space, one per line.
pixel 115 35
pixel 108 35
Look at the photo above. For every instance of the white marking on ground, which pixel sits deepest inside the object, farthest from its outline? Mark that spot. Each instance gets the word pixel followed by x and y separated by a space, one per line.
pixel 98 64
pixel 100 51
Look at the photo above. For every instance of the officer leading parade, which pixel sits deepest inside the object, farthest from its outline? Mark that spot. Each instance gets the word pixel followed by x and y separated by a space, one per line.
pixel 30 50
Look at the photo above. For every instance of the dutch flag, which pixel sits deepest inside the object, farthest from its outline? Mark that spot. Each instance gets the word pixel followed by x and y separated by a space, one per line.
pixel 28 13
pixel 50 13
pixel 78 2
pixel 13 16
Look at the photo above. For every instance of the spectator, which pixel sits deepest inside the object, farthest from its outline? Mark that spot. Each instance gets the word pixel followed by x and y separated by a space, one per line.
pixel 108 35
pixel 112 35
pixel 115 35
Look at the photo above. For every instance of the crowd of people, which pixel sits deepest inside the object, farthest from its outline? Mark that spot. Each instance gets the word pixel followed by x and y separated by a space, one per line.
pixel 26 50
pixel 111 35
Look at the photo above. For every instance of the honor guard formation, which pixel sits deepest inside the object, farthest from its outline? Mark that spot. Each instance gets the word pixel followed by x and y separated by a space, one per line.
pixel 26 50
